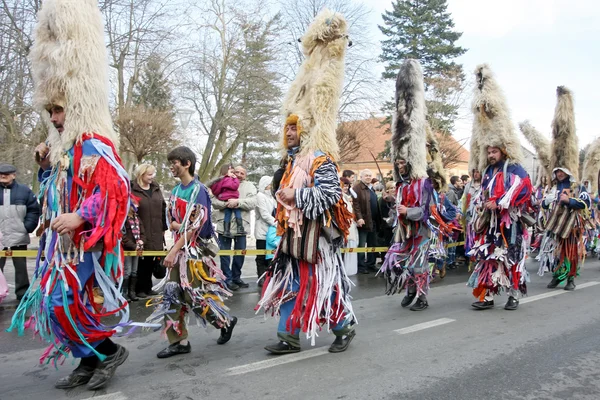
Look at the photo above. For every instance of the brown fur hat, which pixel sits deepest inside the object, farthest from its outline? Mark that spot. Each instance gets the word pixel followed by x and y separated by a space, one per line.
pixel 565 151
pixel 492 126
pixel 435 165
pixel 543 148
pixel 409 136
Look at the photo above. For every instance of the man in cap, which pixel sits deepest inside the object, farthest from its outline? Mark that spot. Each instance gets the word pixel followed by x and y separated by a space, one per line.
pixel 19 215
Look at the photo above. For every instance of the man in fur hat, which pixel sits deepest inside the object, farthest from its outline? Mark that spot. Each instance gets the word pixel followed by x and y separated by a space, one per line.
pixel 500 235
pixel 85 198
pixel 563 246
pixel 406 262
pixel 307 283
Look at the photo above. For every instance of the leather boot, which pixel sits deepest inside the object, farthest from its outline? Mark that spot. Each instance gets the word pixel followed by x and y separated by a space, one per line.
pixel 125 289
pixel 570 283
pixel 227 229
pixel 240 226
pixel 132 282
pixel 553 283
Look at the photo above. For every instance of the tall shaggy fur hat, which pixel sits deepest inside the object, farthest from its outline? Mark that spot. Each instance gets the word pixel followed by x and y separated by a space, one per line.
pixel 435 164
pixel 543 148
pixel 70 69
pixel 314 96
pixel 591 167
pixel 492 126
pixel 409 132
pixel 565 151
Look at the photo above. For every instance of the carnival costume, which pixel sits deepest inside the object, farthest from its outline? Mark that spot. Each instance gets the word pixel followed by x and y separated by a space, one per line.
pixel 501 239
pixel 195 283
pixel 307 283
pixel 543 149
pixel 69 69
pixel 563 247
pixel 406 264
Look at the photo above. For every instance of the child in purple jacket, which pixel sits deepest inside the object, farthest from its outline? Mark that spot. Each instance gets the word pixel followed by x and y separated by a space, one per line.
pixel 226 188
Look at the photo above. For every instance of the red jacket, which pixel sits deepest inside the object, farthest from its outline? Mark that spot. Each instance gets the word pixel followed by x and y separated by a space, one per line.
pixel 226 188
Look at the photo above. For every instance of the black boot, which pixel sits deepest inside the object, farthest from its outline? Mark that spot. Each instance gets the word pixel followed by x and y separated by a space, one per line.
pixel 483 305
pixel 511 304
pixel 125 289
pixel 227 229
pixel 408 299
pixel 570 283
pixel 420 305
pixel 282 348
pixel 240 226
pixel 226 332
pixel 553 283
pixel 132 282
pixel 341 343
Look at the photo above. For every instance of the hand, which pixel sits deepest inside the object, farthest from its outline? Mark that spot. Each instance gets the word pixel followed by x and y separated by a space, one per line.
pixel 233 203
pixel 360 223
pixel 564 198
pixel 231 175
pixel 66 223
pixel 170 259
pixel 41 156
pixel 287 195
pixel 402 210
pixel 175 226
pixel 491 205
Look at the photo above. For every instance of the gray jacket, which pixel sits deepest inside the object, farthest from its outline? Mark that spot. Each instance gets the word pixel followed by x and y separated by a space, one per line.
pixel 247 203
pixel 19 214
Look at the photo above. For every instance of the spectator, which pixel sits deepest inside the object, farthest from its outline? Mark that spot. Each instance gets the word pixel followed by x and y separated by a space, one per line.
pixel 349 174
pixel 19 216
pixel 225 188
pixel 246 203
pixel 378 188
pixel 265 206
pixel 455 190
pixel 272 242
pixel 152 215
pixel 133 240
pixel 350 259
pixel 465 179
pixel 368 216
pixel 387 206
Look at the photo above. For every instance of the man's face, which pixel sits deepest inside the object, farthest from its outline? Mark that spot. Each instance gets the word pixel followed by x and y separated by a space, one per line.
pixel 240 173
pixel 352 179
pixel 494 155
pixel 291 134
pixel 7 179
pixel 57 117
pixel 401 164
pixel 459 184
pixel 561 175
pixel 366 177
pixel 177 169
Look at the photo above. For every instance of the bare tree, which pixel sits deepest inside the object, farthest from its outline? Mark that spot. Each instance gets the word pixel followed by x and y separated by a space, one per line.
pixel 452 151
pixel 227 83
pixel 351 139
pixel 361 94
pixel 20 129
pixel 144 132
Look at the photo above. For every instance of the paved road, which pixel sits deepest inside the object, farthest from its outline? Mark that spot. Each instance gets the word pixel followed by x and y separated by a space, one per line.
pixel 548 349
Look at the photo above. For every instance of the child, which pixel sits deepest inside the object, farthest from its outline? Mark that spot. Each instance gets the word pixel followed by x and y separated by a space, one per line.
pixel 272 243
pixel 226 188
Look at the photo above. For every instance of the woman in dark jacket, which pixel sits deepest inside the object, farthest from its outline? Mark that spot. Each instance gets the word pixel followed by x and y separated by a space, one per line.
pixel 152 215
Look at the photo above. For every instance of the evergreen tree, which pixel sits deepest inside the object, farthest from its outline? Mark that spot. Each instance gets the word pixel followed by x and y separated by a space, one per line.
pixel 424 30
pixel 152 90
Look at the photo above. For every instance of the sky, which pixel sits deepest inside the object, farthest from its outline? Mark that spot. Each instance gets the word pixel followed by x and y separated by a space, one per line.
pixel 532 46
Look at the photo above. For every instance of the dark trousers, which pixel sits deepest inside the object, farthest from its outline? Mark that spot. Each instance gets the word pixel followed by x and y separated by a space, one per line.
pixel 21 277
pixel 233 274
pixel 144 274
pixel 261 261
pixel 369 239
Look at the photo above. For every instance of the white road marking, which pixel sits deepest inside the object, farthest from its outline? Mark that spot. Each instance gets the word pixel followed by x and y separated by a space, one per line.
pixel 10 285
pixel 424 325
pixel 277 360
pixel 112 396
pixel 556 292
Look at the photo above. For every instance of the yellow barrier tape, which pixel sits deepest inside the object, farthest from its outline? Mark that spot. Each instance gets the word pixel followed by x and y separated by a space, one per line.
pixel 34 253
